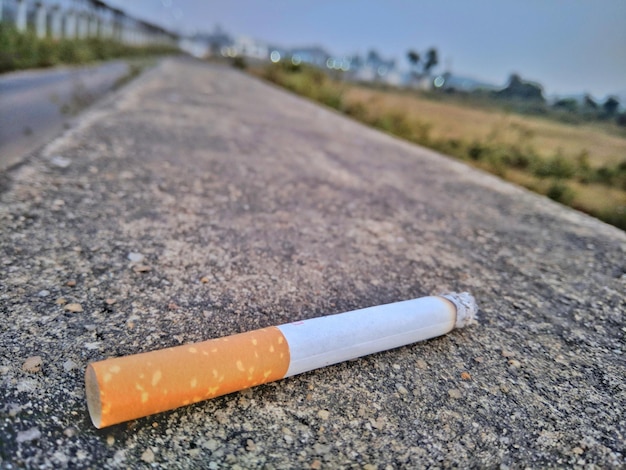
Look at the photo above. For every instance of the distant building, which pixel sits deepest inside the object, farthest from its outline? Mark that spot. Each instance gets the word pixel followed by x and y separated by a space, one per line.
pixel 208 44
pixel 450 82
pixel 245 46
pixel 310 55
pixel 218 40
pixel 196 45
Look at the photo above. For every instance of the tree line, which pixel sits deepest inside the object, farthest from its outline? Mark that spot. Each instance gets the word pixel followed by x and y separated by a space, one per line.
pixel 526 96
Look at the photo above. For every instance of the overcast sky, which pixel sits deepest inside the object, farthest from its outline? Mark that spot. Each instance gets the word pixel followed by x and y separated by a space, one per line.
pixel 569 46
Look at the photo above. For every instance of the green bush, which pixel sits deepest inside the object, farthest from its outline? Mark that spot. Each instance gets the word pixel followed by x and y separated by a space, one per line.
pixel 497 164
pixel 357 110
pixel 329 96
pixel 607 175
pixel 396 123
pixel 76 52
pixel 8 47
pixel 239 63
pixel 48 53
pixel 555 167
pixel 477 151
pixel 615 216
pixel 23 50
pixel 26 50
pixel 560 192
pixel 306 81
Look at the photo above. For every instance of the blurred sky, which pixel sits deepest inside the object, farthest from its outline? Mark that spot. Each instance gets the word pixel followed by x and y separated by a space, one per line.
pixel 569 46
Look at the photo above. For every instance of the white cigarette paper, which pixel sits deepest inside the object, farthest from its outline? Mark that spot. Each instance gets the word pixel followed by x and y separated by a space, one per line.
pixel 131 387
pixel 323 341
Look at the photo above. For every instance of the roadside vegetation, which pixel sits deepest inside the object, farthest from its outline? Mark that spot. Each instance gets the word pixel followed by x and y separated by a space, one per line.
pixel 24 50
pixel 580 163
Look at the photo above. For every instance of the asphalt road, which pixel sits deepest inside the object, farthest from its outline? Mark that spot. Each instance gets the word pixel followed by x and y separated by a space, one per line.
pixel 199 202
pixel 36 105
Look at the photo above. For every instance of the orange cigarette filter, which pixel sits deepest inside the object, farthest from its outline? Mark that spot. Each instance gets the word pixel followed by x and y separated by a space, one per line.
pixel 131 387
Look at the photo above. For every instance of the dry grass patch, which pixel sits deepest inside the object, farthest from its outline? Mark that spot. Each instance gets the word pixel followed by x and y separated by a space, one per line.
pixel 456 121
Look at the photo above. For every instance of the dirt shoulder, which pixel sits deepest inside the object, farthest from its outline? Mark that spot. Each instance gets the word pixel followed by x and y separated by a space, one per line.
pixel 250 207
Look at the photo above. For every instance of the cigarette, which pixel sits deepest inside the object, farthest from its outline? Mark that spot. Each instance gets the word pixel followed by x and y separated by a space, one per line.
pixel 131 387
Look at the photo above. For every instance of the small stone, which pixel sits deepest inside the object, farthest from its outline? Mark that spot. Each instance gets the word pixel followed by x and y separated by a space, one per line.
pixel 69 365
pixel 43 293
pixel 70 283
pixel 60 457
pixel 323 414
pixel 142 268
pixel 211 444
pixel 60 162
pixel 504 389
pixel 93 346
pixel 135 257
pixel 401 389
pixel 370 466
pixel 60 301
pixel 204 280
pixel 74 308
pixel 110 440
pixel 577 450
pixel 32 364
pixel 213 465
pixel 515 364
pixel 70 432
pixel 119 456
pixel 28 385
pixel 506 353
pixel 221 417
pixel 321 449
pixel 14 409
pixel 378 423
pixel 148 455
pixel 28 435
pixel 454 393
pixel 316 465
pixel 421 364
pixel 466 376
pixel 478 359
pixel 250 445
pixel 110 301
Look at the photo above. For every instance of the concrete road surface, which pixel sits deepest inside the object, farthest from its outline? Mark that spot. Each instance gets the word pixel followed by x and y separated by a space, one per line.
pixel 244 206
pixel 35 104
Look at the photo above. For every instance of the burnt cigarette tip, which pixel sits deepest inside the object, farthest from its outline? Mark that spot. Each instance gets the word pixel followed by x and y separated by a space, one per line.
pixel 466 308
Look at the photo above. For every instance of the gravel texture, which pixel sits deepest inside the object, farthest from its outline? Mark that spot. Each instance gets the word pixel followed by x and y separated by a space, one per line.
pixel 199 202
